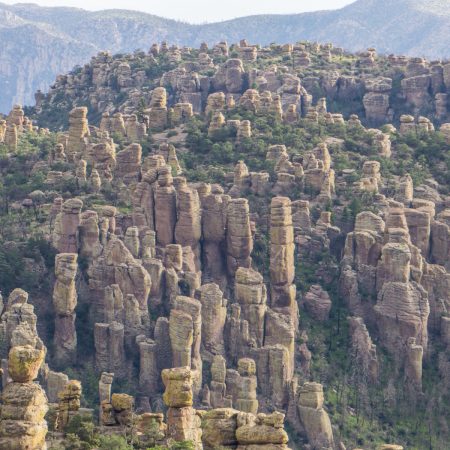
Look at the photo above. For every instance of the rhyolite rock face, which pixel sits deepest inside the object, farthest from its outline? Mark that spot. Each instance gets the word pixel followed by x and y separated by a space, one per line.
pixel 190 245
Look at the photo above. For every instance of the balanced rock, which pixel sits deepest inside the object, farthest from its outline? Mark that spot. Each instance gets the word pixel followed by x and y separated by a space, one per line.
pixel 24 403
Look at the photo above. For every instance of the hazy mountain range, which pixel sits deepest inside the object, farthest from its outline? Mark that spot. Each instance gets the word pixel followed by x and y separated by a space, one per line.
pixel 37 43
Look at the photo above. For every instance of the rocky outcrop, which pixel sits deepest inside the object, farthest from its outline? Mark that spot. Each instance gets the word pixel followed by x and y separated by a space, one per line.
pixel 129 164
pixel 214 218
pixel 165 204
pixel 318 303
pixel 18 323
pixel 122 406
pixel 104 391
pixel 188 227
pixel 416 90
pixel 185 325
pixel 24 403
pixel 155 271
pixel 78 131
pixel 89 235
pixel 219 428
pixel 251 294
pixel 135 130
pixel 11 137
pixel 265 430
pixel 219 397
pixel 246 400
pixel 109 342
pixel 65 233
pixel 376 100
pixel 413 366
pixel 364 350
pixel 183 422
pixel 228 428
pixel 55 383
pixel 217 122
pixel 239 236
pixel 400 301
pixel 148 365
pixel 214 312
pixel 64 303
pixel 117 266
pixel 282 269
pixel 313 417
pixel 383 259
pixel 158 109
pixel 103 156
pixel 69 404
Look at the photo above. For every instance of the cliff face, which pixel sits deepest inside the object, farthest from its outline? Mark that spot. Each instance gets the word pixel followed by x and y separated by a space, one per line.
pixel 38 43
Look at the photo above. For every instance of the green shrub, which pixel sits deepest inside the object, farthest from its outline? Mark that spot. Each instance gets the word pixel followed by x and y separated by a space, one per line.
pixel 113 443
pixel 185 445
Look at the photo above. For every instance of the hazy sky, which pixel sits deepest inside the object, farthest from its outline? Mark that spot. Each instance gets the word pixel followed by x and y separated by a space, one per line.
pixel 200 10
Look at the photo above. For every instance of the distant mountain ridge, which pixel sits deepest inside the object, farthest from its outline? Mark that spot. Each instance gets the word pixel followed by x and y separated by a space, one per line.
pixel 38 43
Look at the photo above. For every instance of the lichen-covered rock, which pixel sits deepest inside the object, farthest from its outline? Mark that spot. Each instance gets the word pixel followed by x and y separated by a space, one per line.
pixel 24 363
pixel 219 429
pixel 183 423
pixel 123 408
pixel 22 423
pixel 69 403
pixel 261 430
pixel 178 383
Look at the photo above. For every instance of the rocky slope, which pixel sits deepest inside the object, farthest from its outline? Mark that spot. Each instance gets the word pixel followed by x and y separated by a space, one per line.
pixel 231 264
pixel 377 88
pixel 53 40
